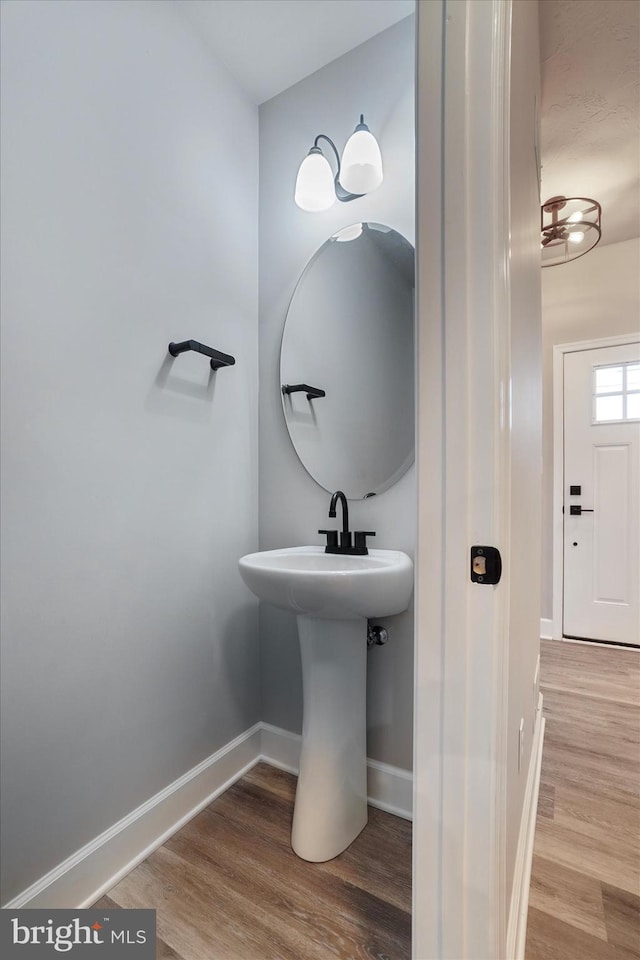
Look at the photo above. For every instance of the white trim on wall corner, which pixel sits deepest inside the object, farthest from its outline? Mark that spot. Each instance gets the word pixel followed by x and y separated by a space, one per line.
pixel 462 633
pixel 517 925
pixel 546 629
pixel 85 876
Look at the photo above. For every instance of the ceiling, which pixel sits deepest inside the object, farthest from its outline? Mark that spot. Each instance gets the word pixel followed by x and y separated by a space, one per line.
pixel 268 45
pixel 590 107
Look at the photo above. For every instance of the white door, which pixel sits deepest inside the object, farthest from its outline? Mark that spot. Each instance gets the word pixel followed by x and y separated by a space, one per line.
pixel 602 494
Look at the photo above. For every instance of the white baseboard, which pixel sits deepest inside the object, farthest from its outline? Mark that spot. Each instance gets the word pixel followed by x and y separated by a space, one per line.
pixel 517 925
pixel 81 879
pixel 388 788
pixel 281 748
pixel 86 875
pixel 546 629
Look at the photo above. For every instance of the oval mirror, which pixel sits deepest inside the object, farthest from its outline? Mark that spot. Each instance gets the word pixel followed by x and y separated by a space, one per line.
pixel 347 361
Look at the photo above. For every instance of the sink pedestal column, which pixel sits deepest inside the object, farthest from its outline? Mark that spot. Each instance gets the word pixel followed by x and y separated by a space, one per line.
pixel 331 796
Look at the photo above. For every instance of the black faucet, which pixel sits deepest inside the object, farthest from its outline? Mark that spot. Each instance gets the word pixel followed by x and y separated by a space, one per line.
pixel 360 542
pixel 345 536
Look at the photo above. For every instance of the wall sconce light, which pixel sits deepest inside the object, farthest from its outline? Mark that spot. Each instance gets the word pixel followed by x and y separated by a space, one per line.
pixel 570 227
pixel 359 173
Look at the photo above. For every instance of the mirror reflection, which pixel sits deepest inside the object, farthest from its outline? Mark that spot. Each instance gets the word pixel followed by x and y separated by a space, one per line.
pixel 347 361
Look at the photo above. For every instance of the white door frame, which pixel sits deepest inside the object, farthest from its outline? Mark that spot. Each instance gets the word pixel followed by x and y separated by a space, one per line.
pixel 463 464
pixel 559 351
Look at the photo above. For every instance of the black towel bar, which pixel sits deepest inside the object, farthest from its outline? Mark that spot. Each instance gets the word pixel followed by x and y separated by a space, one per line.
pixel 218 359
pixel 311 392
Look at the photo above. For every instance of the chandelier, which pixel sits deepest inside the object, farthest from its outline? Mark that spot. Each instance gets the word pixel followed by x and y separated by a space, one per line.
pixel 570 228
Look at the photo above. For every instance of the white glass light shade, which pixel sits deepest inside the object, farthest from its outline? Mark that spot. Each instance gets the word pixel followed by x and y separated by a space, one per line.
pixel 315 190
pixel 361 169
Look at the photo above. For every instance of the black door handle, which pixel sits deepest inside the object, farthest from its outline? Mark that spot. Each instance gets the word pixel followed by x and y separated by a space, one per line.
pixel 575 510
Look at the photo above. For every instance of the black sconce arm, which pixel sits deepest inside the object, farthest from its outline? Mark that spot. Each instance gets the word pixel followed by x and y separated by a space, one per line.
pixel 341 193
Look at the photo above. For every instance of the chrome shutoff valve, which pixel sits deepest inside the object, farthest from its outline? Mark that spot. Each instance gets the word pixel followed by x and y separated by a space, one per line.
pixel 376 635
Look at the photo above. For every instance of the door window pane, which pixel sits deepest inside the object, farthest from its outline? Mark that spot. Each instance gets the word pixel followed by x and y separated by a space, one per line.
pixel 609 408
pixel 633 406
pixel 633 376
pixel 616 392
pixel 608 379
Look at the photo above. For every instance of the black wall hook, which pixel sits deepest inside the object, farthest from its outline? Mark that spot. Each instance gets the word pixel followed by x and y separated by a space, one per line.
pixel 218 359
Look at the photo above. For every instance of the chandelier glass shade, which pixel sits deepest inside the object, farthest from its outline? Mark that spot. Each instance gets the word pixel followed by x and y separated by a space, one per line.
pixel 570 227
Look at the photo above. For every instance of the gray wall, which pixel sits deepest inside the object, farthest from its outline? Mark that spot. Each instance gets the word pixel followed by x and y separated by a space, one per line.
pixel 526 414
pixel 377 79
pixel 129 482
pixel 593 297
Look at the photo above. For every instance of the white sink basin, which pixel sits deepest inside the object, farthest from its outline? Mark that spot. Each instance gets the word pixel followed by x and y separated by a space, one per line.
pixel 333 595
pixel 306 580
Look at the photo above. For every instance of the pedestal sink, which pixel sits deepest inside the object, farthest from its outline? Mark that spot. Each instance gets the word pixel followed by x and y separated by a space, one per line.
pixel 332 596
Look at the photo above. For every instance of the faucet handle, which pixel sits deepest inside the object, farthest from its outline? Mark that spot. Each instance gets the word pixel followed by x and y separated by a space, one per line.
pixel 332 538
pixel 360 538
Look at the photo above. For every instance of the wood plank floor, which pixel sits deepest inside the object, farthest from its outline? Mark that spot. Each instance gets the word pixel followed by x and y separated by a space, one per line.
pixel 584 901
pixel 227 886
